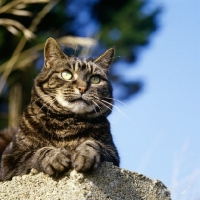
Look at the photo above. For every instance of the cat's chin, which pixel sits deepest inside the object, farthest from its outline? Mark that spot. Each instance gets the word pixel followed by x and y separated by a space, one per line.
pixel 79 106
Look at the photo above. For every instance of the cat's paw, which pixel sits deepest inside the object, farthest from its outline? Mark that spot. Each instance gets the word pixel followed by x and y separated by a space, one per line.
pixel 86 157
pixel 53 161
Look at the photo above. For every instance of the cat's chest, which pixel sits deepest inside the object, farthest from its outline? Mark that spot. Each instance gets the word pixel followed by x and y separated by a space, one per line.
pixel 69 144
pixel 72 133
pixel 71 127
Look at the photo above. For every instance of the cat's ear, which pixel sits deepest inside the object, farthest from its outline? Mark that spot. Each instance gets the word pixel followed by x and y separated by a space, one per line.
pixel 105 59
pixel 52 52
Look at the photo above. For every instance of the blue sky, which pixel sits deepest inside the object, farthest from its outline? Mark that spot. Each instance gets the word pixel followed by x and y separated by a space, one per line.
pixel 161 138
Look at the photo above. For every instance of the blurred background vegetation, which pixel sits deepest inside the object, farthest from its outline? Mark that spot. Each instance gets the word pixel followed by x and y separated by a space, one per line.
pixel 86 27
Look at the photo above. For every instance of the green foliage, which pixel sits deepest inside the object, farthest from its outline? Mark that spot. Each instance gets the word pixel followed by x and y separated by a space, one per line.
pixel 124 24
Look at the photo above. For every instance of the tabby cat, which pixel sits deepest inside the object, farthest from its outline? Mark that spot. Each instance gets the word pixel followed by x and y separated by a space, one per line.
pixel 65 125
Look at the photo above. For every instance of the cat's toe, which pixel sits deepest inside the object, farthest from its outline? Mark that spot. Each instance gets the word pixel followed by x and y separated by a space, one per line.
pixel 64 158
pixel 49 170
pixel 86 158
pixel 61 161
pixel 83 163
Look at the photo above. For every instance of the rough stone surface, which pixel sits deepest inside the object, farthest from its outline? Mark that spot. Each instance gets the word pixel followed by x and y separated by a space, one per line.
pixel 108 182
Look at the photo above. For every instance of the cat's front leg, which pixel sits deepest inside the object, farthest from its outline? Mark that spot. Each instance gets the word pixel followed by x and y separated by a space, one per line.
pixel 87 156
pixel 52 161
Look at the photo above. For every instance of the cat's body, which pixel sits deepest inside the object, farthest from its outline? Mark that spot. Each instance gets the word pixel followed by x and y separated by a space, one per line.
pixel 65 125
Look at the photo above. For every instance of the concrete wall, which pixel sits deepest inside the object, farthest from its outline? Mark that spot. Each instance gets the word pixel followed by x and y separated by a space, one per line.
pixel 107 182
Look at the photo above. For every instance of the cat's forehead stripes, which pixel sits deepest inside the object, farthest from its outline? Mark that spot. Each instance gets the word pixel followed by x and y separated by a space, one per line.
pixel 86 66
pixel 82 65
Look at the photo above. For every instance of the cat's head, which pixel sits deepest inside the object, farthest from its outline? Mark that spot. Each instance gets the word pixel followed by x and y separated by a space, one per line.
pixel 69 85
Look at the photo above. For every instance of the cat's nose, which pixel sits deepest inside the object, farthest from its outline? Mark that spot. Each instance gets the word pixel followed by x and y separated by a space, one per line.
pixel 82 89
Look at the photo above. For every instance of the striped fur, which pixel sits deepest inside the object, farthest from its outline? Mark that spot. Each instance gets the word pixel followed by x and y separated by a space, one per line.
pixel 6 137
pixel 65 125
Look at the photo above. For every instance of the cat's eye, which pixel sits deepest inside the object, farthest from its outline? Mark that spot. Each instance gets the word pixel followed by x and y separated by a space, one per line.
pixel 95 79
pixel 66 75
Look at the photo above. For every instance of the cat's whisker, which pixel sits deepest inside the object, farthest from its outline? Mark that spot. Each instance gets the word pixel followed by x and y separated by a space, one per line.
pixel 118 110
pixel 41 107
pixel 104 104
pixel 118 101
pixel 44 105
pixel 96 97
pixel 53 100
pixel 94 106
pixel 100 101
pixel 40 98
pixel 100 109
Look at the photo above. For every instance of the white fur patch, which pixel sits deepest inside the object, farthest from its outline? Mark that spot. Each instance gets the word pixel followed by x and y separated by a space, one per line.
pixel 78 106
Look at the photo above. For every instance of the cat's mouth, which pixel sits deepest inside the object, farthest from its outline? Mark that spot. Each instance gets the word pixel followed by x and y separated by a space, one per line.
pixel 80 100
pixel 75 105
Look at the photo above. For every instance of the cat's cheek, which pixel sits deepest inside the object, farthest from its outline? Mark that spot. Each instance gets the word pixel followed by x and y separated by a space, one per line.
pixel 61 101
